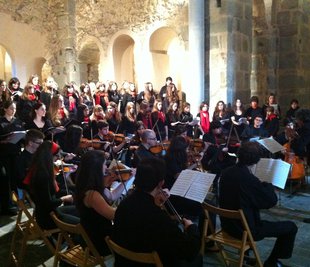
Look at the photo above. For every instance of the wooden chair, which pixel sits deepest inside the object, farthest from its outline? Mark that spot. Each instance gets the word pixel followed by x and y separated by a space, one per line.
pixel 85 255
pixel 149 258
pixel 223 240
pixel 28 229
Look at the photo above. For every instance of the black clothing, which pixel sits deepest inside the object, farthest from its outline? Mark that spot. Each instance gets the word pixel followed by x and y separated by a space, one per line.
pixel 172 117
pixel 127 126
pixel 141 153
pixel 272 126
pixel 290 114
pixel 159 126
pixel 251 132
pixel 8 154
pixel 114 97
pixel 240 189
pixel 24 109
pixel 97 227
pixel 24 162
pixel 47 126
pixel 301 144
pixel 251 113
pixel 140 225
pixel 187 117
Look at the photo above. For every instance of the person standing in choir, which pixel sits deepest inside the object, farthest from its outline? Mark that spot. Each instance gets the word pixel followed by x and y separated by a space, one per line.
pixel 204 122
pixel 8 153
pixel 159 121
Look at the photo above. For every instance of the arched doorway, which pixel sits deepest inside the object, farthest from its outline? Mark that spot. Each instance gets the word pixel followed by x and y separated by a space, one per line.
pixel 89 59
pixel 123 58
pixel 167 56
pixel 6 69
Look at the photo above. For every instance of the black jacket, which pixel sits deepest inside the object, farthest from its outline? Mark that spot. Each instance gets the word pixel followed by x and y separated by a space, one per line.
pixel 240 189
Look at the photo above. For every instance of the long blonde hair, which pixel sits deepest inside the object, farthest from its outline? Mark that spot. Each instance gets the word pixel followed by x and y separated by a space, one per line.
pixel 128 114
pixel 54 110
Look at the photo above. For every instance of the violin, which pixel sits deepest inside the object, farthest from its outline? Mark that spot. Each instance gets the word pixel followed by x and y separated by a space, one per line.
pixel 160 147
pixel 95 143
pixel 61 166
pixel 196 144
pixel 120 170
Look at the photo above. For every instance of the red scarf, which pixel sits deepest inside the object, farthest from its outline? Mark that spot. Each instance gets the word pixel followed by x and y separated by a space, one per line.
pixel 271 117
pixel 61 112
pixel 204 121
pixel 71 103
pixel 161 116
pixel 86 119
pixel 32 97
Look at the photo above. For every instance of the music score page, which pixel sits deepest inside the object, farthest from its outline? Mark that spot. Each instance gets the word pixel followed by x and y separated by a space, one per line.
pixel 193 185
pixel 274 171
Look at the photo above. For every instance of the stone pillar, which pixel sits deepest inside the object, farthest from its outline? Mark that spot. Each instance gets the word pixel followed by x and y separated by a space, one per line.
pixel 66 68
pixel 230 51
pixel 195 89
pixel 294 54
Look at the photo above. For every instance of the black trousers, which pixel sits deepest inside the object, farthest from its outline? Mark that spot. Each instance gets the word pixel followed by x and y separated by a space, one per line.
pixel 284 231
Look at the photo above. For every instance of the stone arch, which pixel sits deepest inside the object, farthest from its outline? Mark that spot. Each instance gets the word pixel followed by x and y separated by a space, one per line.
pixel 89 58
pixel 6 64
pixel 167 52
pixel 123 58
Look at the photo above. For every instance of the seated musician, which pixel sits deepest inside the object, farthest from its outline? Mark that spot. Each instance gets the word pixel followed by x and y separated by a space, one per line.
pixel 33 139
pixel 44 190
pixel 240 189
pixel 255 130
pixel 141 225
pixel 95 212
pixel 148 139
pixel 107 137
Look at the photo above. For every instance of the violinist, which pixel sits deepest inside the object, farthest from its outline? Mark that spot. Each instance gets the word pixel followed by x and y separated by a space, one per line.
pixel 108 139
pixel 33 139
pixel 95 212
pixel 148 139
pixel 43 188
pixel 141 225
pixel 299 137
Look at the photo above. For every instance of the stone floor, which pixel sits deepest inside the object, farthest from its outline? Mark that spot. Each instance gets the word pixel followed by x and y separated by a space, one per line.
pixel 294 207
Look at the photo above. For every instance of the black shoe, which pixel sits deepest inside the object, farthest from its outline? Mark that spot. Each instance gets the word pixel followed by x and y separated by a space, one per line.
pixel 307 220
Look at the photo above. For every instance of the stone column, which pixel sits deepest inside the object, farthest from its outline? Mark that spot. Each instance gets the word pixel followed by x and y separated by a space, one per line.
pixel 66 68
pixel 230 51
pixel 195 88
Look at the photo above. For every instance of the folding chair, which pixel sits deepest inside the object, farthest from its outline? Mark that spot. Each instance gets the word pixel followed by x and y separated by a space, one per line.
pixel 223 240
pixel 28 229
pixel 149 258
pixel 85 255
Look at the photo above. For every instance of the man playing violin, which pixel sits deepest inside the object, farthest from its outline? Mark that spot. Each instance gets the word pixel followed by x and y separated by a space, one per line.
pixel 108 140
pixel 148 139
pixel 141 225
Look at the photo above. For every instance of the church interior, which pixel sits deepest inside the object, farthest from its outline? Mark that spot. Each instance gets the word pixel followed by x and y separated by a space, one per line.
pixel 214 50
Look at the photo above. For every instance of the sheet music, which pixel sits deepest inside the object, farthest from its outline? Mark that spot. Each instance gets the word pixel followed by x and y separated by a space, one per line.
pixel 14 137
pixel 274 171
pixel 271 145
pixel 193 185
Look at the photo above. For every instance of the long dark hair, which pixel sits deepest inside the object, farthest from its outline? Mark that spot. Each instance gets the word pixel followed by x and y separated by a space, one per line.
pixel 177 152
pixel 42 168
pixel 89 175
